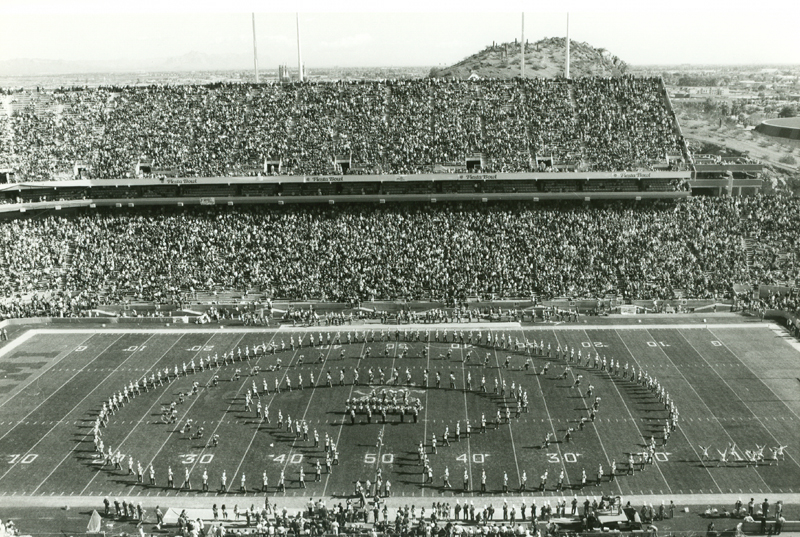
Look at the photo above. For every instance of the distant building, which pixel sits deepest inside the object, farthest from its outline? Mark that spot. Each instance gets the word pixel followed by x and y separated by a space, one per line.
pixel 284 75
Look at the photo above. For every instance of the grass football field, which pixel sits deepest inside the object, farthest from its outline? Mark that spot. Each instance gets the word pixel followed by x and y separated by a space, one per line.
pixel 731 383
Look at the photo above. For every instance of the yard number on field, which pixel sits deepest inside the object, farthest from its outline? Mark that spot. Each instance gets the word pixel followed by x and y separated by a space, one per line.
pixel 477 458
pixel 716 343
pixel 22 459
pixel 296 458
pixel 372 458
pixel 567 457
pixel 657 343
pixel 204 348
pixel 191 458
pixel 590 344
pixel 134 348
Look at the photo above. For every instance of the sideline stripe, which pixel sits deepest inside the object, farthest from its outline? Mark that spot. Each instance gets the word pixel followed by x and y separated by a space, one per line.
pixel 298 503
pixel 17 342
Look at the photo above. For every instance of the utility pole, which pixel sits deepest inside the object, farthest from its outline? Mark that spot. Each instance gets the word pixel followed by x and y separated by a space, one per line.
pixel 255 48
pixel 523 44
pixel 299 51
pixel 566 64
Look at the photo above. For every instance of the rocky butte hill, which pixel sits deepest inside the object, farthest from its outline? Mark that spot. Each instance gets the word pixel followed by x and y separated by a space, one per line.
pixel 544 58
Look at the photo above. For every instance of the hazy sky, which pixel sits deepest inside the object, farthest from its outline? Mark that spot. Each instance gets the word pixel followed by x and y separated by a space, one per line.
pixel 407 33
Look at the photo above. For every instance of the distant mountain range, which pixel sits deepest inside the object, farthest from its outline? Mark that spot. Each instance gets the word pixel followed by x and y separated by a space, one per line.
pixel 545 58
pixel 191 61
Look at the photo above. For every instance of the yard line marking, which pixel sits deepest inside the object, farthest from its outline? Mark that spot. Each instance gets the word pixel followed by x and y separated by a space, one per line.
pixel 352 386
pixel 644 437
pixel 308 405
pixel 221 420
pixel 157 400
pixel 468 433
pixel 70 410
pixel 510 432
pixel 547 409
pixel 745 404
pixel 383 427
pixel 90 432
pixel 704 404
pixel 59 389
pixel 425 421
pixel 587 406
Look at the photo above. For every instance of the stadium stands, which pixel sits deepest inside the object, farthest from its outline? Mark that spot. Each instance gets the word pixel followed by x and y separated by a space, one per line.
pixel 389 127
pixel 640 250
pixel 448 128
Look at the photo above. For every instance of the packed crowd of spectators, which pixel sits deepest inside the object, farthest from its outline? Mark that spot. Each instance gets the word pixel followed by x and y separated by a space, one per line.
pixel 772 222
pixel 623 120
pixel 367 516
pixel 447 252
pixel 405 126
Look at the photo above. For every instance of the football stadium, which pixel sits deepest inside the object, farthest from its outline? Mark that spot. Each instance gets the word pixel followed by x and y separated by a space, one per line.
pixel 432 306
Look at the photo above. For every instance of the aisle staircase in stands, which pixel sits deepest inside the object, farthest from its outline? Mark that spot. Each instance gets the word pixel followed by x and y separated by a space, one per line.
pixel 573 103
pixel 67 264
pixel 531 149
pixel 748 244
pixel 44 104
pixel 20 101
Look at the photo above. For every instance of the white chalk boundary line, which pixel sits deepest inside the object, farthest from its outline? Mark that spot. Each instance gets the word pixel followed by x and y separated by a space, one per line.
pixel 699 500
pixel 388 328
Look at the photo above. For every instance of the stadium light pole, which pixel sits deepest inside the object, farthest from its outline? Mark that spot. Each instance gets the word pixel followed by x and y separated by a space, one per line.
pixel 299 50
pixel 522 44
pixel 255 48
pixel 566 64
